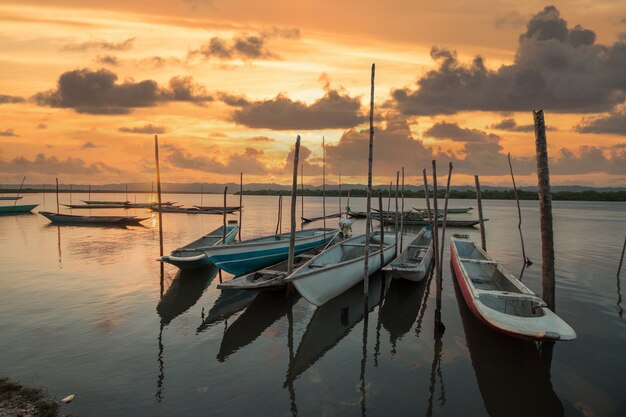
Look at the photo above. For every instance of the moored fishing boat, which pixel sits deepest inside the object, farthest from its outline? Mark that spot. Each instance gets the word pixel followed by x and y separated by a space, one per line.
pixel 340 267
pixel 425 222
pixel 117 203
pixel 192 256
pixel 88 220
pixel 250 255
pixel 500 300
pixel 314 219
pixel 450 210
pixel 414 262
pixel 19 209
pixel 219 209
pixel 9 198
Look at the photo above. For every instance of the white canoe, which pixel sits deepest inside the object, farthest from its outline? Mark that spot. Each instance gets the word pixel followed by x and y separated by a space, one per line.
pixel 500 300
pixel 340 267
pixel 413 263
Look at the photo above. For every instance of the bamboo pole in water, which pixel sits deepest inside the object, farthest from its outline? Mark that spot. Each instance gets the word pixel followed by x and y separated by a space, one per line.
pixel 427 197
pixel 224 218
pixel 301 196
pixel 445 219
pixel 545 211
pixel 395 222
pixel 160 206
pixel 324 183
pixel 294 190
pixel 57 181
pixel 201 195
pixel 402 217
pixel 368 219
pixel 70 193
pixel 483 237
pixel 436 227
pixel 280 205
pixel 240 202
pixel 382 229
pixel 519 214
pixel 126 192
pixel 340 209
pixel 89 198
pixel 19 191
pixel 389 196
pixel 43 187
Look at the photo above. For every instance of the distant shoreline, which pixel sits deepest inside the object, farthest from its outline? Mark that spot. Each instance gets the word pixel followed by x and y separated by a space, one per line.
pixel 489 194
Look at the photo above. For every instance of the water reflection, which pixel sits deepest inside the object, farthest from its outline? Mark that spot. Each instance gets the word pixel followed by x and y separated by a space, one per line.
pixel 264 310
pixel 513 375
pixel 228 303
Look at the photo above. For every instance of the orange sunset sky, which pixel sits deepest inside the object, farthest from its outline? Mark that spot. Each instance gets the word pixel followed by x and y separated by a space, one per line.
pixel 227 85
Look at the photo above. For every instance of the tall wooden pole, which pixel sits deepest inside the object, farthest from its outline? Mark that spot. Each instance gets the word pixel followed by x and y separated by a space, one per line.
pixel 395 222
pixel 483 237
pixel 436 228
pixel 340 209
pixel 545 211
pixel 519 213
pixel 240 202
pixel 19 191
pixel 57 181
pixel 402 217
pixel 302 196
pixel 324 183
pixel 382 229
pixel 427 197
pixel 294 190
pixel 389 197
pixel 445 219
pixel 158 180
pixel 224 217
pixel 368 219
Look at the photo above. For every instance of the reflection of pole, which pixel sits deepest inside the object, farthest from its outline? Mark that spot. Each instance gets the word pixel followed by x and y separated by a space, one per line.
pixel 292 391
pixel 621 259
pixel 364 360
pixel 435 371
pixel 161 377
pixel 59 246
pixel 422 311
pixel 368 219
pixel 619 293
pixel 519 214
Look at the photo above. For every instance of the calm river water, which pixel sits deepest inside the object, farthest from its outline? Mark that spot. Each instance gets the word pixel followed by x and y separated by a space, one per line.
pixel 81 313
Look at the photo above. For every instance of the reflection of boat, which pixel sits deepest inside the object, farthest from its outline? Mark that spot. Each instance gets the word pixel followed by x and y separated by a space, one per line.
pixel 414 262
pixel 499 299
pixel 401 306
pixel 332 322
pixel 21 209
pixel 101 220
pixel 250 255
pixel 512 374
pixel 340 267
pixel 228 303
pixel 184 291
pixel 191 256
pixel 262 312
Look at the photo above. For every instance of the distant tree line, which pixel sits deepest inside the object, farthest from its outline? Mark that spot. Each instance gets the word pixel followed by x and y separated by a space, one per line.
pixel 588 195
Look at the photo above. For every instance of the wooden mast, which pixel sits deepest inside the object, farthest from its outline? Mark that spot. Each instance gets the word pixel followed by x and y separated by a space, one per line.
pixel 368 219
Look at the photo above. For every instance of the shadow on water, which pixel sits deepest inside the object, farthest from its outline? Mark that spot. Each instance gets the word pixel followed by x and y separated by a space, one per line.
pixel 228 303
pixel 264 310
pixel 331 323
pixel 513 375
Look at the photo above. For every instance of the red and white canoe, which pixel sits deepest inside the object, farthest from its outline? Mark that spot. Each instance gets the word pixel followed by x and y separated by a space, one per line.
pixel 500 300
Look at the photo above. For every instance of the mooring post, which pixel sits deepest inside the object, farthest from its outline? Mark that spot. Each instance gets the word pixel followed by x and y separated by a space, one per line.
pixel 158 180
pixel 382 229
pixel 280 205
pixel 395 222
pixel 545 211
pixel 519 213
pixel 224 218
pixel 436 230
pixel 240 202
pixel 294 190
pixel 301 196
pixel 427 197
pixel 368 219
pixel 483 238
pixel 57 181
pixel 324 184
pixel 402 216
pixel 445 219
pixel 340 209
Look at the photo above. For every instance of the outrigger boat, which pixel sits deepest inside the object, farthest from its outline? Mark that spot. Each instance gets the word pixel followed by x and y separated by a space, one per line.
pixel 340 267
pixel 250 255
pixel 192 256
pixel 21 209
pixel 88 220
pixel 500 300
pixel 414 262
pixel 450 210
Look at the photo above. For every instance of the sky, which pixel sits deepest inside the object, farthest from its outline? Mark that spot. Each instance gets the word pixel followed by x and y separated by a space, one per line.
pixel 228 85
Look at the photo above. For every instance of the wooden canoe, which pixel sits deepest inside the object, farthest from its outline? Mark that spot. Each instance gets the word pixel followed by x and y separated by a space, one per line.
pixel 340 267
pixel 220 209
pixel 192 256
pixel 19 209
pixel 414 262
pixel 500 300
pixel 425 222
pixel 450 210
pixel 314 219
pixel 2 198
pixel 88 220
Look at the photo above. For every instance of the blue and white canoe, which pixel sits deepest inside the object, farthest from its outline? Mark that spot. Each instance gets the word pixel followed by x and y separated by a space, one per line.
pixel 251 255
pixel 192 256
pixel 340 267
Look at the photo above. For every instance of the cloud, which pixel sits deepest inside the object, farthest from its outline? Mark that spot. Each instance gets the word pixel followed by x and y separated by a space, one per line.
pixel 100 44
pixel 304 160
pixel 556 68
pixel 614 123
pixel 453 131
pixel 42 126
pixel 145 129
pixel 6 99
pixel 88 145
pixel 54 166
pixel 286 33
pixel 510 125
pixel 260 139
pixel 97 92
pixel 242 47
pixel 334 110
pixel 250 161
pixel 158 61
pixel 510 20
pixel 8 133
pixel 107 60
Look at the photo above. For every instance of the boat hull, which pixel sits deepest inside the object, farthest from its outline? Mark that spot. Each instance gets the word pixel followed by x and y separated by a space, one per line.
pixel 89 220
pixel 189 260
pixel 21 209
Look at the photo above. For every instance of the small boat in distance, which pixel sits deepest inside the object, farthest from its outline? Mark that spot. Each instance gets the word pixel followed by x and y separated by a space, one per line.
pixel 21 209
pixel 340 267
pixel 314 219
pixel 250 255
pixel 414 262
pixel 89 220
pixel 500 300
pixel 219 209
pixel 425 222
pixel 450 210
pixel 9 198
pixel 192 256
pixel 117 203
